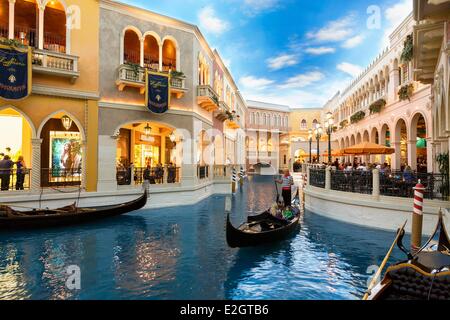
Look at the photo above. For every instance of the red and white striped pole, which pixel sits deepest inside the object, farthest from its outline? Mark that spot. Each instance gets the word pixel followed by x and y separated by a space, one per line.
pixel 417 221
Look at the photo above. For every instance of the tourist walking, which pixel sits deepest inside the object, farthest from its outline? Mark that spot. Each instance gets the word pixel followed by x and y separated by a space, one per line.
pixel 286 182
pixel 20 173
pixel 5 172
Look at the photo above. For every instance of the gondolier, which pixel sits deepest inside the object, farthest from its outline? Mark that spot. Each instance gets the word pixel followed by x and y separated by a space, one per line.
pixel 286 182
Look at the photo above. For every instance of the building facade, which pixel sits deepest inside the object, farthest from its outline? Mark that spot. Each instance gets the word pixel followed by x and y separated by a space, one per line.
pixel 55 128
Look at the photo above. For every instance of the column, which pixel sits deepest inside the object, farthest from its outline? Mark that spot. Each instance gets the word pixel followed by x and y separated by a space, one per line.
pixel 141 53
pixel 41 28
pixel 160 57
pixel 35 164
pixel 396 157
pixel 376 183
pixel 393 84
pixel 107 148
pixel 11 19
pixel 430 152
pixel 412 154
pixel 83 164
pixel 328 178
pixel 163 150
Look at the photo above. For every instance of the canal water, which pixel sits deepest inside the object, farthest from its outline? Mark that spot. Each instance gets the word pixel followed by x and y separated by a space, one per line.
pixel 181 253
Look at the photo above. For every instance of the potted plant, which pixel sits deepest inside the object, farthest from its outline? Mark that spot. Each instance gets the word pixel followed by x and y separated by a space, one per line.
pixel 377 106
pixel 176 74
pixel 357 117
pixel 406 92
pixel 408 49
pixel 343 123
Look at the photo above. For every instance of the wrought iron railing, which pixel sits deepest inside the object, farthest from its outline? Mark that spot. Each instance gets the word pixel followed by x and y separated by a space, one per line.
pixel 15 179
pixel 136 74
pixel 156 175
pixel 56 177
pixel 401 184
pixel 317 178
pixel 352 181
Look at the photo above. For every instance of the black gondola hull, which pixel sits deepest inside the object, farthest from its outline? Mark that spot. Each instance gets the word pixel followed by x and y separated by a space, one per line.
pixel 49 218
pixel 240 239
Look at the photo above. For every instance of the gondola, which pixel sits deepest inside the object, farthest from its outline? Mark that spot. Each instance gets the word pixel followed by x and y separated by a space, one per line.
pixel 43 218
pixel 424 276
pixel 260 229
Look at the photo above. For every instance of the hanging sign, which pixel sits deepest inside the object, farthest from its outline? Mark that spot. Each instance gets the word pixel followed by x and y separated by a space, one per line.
pixel 15 72
pixel 157 95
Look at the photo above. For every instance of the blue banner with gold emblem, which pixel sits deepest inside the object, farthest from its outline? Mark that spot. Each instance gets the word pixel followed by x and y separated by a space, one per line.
pixel 15 72
pixel 158 92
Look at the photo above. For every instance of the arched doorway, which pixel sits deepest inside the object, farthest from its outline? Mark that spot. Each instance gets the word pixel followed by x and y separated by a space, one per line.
pixel 25 22
pixel 131 47
pixel 169 55
pixel 16 134
pixel 55 38
pixel 147 151
pixel 151 53
pixel 419 154
pixel 61 151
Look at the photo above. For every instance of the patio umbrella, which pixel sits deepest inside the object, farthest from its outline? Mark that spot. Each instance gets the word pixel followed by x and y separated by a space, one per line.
pixel 334 153
pixel 368 148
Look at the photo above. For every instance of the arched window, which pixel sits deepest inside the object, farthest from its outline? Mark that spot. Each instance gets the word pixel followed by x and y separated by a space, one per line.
pixel 315 123
pixel 303 125
pixel 25 22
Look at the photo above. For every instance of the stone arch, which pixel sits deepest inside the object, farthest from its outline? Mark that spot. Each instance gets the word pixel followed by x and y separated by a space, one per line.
pixel 62 111
pixel 173 56
pixel 24 115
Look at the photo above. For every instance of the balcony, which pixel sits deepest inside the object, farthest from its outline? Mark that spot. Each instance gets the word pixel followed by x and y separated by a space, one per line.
pixel 221 113
pixel 134 77
pixel 207 98
pixel 56 64
pixel 233 124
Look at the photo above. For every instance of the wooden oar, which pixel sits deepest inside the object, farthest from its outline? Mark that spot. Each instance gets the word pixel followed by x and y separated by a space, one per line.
pixel 383 264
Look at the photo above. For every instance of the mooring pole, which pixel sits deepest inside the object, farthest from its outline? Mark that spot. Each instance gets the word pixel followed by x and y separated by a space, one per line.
pixel 233 181
pixel 417 220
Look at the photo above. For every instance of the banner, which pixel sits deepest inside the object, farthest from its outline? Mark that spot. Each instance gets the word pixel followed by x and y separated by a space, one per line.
pixel 15 72
pixel 157 96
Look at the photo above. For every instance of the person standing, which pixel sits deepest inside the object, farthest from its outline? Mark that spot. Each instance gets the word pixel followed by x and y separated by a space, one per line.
pixel 5 172
pixel 286 182
pixel 20 173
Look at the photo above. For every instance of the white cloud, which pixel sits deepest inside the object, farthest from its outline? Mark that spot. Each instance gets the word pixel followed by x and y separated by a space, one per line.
pixel 394 16
pixel 333 31
pixel 210 22
pixel 251 83
pixel 302 80
pixel 351 69
pixel 254 7
pixel 320 50
pixel 353 42
pixel 282 61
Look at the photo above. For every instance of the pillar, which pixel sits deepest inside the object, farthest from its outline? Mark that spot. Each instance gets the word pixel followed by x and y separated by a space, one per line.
pixel 84 164
pixel 141 53
pixel 328 178
pixel 11 19
pixel 106 166
pixel 430 152
pixel 41 28
pixel 163 150
pixel 396 157
pixel 35 164
pixel 412 154
pixel 376 183
pixel 393 84
pixel 160 57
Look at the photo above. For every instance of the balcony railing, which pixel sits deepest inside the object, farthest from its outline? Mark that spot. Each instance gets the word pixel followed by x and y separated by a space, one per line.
pixel 207 98
pixel 54 63
pixel 13 179
pixel 131 76
pixel 352 181
pixel 163 175
pixel 222 172
pixel 317 178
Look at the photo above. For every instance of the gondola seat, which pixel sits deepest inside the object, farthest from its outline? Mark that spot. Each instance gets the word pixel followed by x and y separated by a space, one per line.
pixel 411 283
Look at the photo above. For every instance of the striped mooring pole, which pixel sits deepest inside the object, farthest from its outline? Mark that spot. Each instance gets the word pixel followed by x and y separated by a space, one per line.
pixel 233 180
pixel 417 220
pixel 241 177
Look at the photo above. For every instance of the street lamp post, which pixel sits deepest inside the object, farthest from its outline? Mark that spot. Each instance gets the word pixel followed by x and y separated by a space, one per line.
pixel 329 122
pixel 310 139
pixel 318 133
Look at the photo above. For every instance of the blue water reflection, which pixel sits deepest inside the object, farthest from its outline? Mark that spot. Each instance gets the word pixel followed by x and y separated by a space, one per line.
pixel 181 253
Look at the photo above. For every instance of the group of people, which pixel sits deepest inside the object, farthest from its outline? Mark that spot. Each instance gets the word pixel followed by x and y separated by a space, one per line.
pixel 126 173
pixel 7 170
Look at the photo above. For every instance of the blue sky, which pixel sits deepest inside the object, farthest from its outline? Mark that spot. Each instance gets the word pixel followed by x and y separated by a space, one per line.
pixel 293 52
